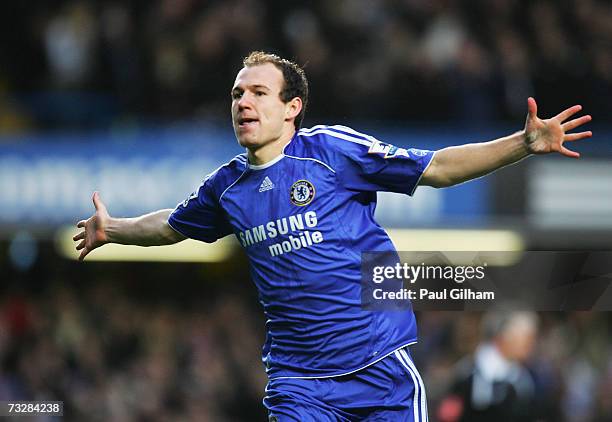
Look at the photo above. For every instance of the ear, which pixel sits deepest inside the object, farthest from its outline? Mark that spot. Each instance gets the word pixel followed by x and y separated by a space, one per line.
pixel 293 108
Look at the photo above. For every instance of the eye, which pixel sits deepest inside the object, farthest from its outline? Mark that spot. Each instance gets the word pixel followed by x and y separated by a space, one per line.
pixel 260 93
pixel 236 95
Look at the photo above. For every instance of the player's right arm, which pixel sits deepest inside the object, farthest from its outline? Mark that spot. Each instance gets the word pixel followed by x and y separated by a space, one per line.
pixel 147 230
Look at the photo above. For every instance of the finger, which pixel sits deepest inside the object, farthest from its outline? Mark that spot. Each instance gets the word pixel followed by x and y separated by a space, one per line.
pixel 98 202
pixel 577 136
pixel 572 124
pixel 83 254
pixel 569 153
pixel 79 236
pixel 80 245
pixel 567 113
pixel 81 223
pixel 532 107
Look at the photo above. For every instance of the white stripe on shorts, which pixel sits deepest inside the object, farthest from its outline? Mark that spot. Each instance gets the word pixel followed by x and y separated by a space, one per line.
pixel 419 400
pixel 416 373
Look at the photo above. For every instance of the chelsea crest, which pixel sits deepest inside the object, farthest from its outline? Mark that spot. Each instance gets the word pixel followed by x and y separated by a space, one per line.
pixel 302 193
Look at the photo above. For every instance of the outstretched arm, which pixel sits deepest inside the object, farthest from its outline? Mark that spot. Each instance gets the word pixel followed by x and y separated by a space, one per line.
pixel 458 164
pixel 147 230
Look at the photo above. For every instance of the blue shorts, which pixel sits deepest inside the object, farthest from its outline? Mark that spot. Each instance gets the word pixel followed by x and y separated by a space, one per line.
pixel 388 390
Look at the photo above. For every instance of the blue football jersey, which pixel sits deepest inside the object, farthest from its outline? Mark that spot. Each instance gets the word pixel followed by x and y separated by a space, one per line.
pixel 304 219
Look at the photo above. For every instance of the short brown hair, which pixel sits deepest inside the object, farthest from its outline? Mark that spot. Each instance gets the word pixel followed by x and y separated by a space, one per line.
pixel 296 84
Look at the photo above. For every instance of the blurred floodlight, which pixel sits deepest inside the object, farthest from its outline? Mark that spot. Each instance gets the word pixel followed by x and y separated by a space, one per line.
pixel 185 251
pixel 462 241
pixel 194 251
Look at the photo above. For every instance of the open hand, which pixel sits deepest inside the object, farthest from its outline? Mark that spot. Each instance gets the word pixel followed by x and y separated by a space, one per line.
pixel 93 234
pixel 545 136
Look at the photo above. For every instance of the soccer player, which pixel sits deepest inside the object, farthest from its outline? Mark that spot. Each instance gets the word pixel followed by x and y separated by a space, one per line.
pixel 301 203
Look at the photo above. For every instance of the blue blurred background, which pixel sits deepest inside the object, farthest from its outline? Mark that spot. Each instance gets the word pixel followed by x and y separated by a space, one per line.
pixel 132 99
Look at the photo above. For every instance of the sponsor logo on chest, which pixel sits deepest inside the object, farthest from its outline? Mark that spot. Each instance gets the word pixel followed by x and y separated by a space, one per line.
pixel 294 232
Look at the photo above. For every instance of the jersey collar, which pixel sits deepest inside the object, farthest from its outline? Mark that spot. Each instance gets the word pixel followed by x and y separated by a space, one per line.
pixel 266 165
pixel 274 160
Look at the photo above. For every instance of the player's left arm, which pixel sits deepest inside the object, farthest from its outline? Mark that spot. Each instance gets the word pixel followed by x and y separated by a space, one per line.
pixel 458 164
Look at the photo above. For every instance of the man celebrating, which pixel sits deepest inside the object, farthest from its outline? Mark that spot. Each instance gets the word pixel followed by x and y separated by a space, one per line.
pixel 301 203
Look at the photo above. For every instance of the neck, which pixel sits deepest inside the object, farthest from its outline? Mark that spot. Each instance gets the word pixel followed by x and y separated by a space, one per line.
pixel 269 151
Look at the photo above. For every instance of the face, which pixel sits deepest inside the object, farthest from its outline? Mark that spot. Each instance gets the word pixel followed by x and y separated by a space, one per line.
pixel 259 115
pixel 518 341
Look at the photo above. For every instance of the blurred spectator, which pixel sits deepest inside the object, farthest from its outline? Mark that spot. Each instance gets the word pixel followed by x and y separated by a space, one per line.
pixel 514 71
pixel 495 385
pixel 70 39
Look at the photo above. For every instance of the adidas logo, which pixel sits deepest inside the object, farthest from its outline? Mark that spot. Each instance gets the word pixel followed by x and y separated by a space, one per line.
pixel 266 185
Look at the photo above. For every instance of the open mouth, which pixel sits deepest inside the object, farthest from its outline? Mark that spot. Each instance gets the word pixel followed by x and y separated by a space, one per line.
pixel 245 122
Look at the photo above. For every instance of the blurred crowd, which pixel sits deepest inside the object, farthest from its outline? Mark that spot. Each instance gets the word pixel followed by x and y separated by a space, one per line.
pixel 91 63
pixel 110 356
pixel 123 348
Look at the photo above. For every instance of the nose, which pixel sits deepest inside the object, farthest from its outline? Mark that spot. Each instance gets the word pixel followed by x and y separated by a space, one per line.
pixel 245 101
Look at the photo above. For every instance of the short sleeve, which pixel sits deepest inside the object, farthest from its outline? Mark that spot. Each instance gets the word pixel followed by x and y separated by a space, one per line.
pixel 200 216
pixel 379 166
